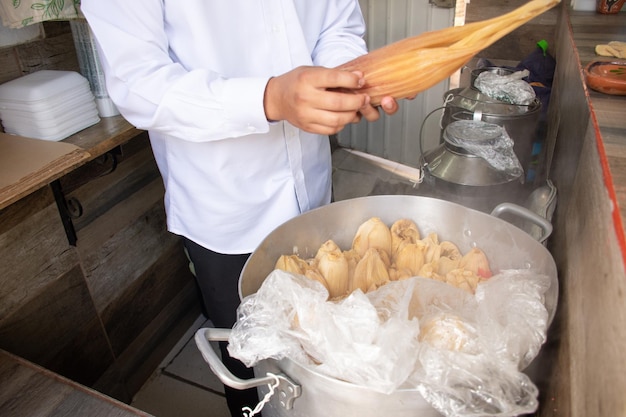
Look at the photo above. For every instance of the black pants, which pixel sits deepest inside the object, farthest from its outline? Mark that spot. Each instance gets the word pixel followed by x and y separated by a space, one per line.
pixel 217 276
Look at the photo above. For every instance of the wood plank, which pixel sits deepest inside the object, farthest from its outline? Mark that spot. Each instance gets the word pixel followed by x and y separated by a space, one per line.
pixel 147 295
pixel 29 390
pixel 23 209
pixel 42 177
pixel 55 52
pixel 114 257
pixel 617 165
pixel 103 193
pixel 104 136
pixel 41 256
pixel 106 163
pixel 93 141
pixel 138 361
pixel 590 374
pixel 9 65
pixel 595 295
pixel 43 287
pixel 45 390
pixel 58 327
pixel 157 339
pixel 28 164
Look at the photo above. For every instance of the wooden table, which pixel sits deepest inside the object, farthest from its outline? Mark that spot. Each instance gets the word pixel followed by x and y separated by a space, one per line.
pixel 29 390
pixel 91 143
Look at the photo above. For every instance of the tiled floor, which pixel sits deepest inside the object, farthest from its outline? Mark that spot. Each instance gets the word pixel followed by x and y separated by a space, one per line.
pixel 183 385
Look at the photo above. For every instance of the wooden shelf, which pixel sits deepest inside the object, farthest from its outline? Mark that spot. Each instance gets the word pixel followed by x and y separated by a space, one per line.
pixel 88 144
pixel 104 136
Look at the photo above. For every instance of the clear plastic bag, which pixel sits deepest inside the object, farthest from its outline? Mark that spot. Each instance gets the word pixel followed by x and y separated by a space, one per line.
pixel 350 340
pixel 505 325
pixel 463 352
pixel 509 88
pixel 488 141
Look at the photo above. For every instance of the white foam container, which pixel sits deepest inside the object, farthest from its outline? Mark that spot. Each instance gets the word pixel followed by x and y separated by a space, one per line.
pixel 48 105
pixel 54 133
pixel 42 85
pixel 50 123
pixel 77 109
pixel 66 100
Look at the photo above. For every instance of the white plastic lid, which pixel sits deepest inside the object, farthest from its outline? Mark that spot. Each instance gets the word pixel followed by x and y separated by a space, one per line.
pixel 41 85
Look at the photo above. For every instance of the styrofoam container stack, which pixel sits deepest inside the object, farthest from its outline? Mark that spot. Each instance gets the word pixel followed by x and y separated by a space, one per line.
pixel 48 104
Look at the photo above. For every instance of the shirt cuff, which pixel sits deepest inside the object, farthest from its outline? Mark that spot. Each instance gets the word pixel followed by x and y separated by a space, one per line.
pixel 243 104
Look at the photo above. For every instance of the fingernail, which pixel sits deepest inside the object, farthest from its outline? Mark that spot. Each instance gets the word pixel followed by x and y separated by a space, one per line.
pixel 361 82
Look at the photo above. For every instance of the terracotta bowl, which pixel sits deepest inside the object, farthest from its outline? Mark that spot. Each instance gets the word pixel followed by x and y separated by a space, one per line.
pixel 608 77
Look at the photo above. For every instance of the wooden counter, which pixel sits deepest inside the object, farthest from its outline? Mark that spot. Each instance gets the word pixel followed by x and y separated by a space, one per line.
pixel 91 142
pixel 608 112
pixel 30 390
pixel 585 361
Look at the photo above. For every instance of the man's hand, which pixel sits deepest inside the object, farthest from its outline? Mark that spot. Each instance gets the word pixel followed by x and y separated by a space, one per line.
pixel 308 98
pixel 388 104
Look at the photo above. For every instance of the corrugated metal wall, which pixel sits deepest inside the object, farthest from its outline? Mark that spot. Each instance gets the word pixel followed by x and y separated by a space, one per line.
pixel 397 137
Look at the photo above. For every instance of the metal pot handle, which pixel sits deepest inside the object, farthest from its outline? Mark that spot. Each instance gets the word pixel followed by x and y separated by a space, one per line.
pixel 288 390
pixel 544 225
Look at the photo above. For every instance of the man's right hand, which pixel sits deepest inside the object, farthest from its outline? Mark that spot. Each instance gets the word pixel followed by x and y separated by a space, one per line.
pixel 307 97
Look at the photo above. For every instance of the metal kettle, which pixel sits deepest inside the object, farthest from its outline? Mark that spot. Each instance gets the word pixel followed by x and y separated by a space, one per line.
pixel 472 166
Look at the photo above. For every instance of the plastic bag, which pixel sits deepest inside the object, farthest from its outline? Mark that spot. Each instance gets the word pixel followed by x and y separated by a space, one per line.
pixel 351 340
pixel 510 88
pixel 506 324
pixel 463 352
pixel 488 141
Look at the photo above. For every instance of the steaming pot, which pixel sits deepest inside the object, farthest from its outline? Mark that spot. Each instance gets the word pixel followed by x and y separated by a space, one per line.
pixel 302 392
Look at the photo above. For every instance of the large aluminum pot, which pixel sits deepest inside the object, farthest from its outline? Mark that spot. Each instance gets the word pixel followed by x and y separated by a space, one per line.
pixel 506 246
pixel 302 392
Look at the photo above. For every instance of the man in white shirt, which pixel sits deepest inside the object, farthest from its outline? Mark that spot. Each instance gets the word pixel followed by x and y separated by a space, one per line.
pixel 238 97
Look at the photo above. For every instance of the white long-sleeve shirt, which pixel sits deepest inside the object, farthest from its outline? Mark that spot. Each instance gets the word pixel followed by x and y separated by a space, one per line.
pixel 193 73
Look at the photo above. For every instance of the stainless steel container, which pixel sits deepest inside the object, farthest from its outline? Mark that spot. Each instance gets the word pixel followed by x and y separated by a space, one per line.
pixel 302 392
pixel 520 121
pixel 463 156
pixel 453 172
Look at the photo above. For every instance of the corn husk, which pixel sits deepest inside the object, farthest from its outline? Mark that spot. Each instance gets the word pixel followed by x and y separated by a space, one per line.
pixel 463 279
pixel 403 230
pixel 412 65
pixel 335 269
pixel 410 257
pixel 371 272
pixel 373 233
pixel 476 261
pixel 292 264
